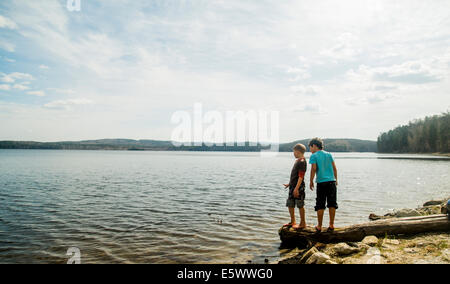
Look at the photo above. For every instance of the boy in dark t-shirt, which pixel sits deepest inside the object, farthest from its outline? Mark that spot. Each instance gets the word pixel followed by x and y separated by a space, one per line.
pixel 297 187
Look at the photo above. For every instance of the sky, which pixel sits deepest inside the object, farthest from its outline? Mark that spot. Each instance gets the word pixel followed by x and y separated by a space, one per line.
pixel 122 68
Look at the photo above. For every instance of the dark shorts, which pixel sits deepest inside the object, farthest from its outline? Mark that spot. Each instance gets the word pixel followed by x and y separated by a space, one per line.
pixel 293 202
pixel 326 194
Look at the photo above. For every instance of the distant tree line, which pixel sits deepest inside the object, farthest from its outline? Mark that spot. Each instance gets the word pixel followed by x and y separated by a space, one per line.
pixel 332 145
pixel 336 145
pixel 428 135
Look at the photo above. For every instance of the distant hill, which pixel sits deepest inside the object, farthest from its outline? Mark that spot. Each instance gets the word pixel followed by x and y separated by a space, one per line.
pixel 102 144
pixel 337 145
pixel 332 145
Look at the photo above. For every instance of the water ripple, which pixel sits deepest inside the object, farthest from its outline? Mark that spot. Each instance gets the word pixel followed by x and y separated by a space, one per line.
pixel 165 207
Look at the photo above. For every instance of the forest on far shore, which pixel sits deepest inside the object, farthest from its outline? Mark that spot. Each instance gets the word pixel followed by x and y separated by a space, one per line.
pixel 428 135
pixel 332 145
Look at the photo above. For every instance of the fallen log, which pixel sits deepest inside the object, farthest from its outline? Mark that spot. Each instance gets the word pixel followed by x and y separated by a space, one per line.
pixel 356 233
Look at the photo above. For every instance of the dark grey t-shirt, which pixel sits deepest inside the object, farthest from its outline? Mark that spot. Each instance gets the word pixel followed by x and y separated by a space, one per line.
pixel 299 169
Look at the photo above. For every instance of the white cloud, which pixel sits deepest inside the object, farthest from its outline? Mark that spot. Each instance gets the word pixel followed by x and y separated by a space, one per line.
pixel 347 47
pixel 97 52
pixel 67 104
pixel 403 80
pixel 312 107
pixel 299 73
pixel 62 91
pixel 307 90
pixel 369 99
pixel 411 72
pixel 21 87
pixel 8 46
pixel 377 98
pixel 233 54
pixel 9 60
pixel 5 87
pixel 384 88
pixel 36 93
pixel 7 23
pixel 12 77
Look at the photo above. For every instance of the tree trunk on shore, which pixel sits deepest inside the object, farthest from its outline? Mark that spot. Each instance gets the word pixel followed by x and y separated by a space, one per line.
pixel 356 233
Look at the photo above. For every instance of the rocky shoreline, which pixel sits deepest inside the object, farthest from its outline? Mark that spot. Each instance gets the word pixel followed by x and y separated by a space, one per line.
pixel 428 248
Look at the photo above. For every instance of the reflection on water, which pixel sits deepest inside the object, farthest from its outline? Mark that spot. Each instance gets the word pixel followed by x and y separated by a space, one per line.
pixel 182 207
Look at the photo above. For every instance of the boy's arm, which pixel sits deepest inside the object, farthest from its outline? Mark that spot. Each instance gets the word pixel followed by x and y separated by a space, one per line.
pixel 335 172
pixel 313 175
pixel 301 176
pixel 297 187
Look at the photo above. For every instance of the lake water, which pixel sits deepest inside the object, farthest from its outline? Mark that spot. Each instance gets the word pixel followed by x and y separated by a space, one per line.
pixel 183 207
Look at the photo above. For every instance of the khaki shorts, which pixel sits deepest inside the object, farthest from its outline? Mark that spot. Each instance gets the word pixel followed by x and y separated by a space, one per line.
pixel 293 202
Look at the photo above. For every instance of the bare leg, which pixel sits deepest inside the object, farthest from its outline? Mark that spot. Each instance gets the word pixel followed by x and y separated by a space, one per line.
pixel 292 213
pixel 303 221
pixel 303 218
pixel 320 218
pixel 332 215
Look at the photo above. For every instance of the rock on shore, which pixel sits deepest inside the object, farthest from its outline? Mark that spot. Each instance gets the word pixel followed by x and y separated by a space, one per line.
pixel 429 208
pixel 420 249
pixel 428 248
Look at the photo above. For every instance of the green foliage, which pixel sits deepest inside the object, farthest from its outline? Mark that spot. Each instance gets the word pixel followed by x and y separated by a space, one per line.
pixel 429 135
pixel 337 145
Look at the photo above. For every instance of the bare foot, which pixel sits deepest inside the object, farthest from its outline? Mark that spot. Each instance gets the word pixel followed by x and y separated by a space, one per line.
pixel 289 225
pixel 299 227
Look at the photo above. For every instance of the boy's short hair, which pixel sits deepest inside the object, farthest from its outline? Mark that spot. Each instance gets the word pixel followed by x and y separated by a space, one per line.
pixel 300 147
pixel 316 141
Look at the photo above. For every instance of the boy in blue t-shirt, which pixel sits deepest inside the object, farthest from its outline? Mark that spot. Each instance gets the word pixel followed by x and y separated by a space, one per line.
pixel 324 167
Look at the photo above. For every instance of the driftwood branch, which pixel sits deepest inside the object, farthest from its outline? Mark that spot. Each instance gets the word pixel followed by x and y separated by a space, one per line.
pixel 356 233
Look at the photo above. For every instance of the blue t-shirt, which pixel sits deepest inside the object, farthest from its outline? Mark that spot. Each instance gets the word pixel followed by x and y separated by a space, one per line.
pixel 323 160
